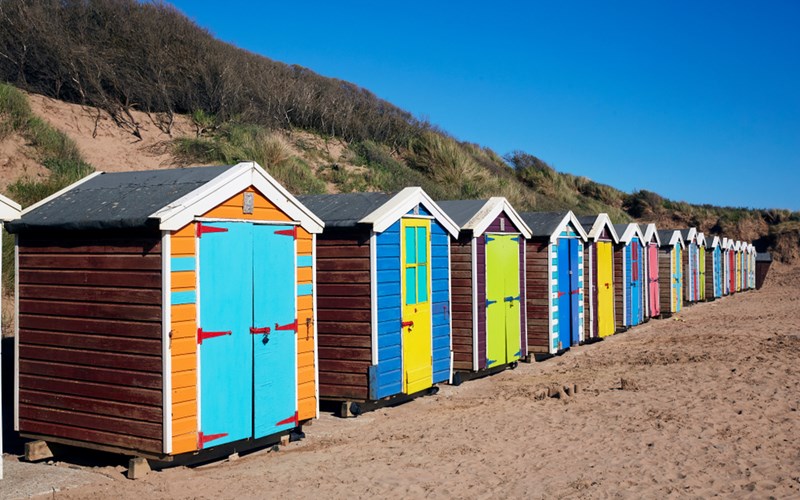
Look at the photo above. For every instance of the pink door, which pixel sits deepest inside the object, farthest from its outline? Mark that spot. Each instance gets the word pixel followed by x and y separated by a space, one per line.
pixel 652 258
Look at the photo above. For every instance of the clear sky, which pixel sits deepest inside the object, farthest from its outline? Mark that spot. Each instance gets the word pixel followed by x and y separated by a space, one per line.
pixel 696 100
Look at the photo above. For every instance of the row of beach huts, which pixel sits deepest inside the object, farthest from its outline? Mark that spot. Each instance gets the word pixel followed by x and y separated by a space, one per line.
pixel 164 314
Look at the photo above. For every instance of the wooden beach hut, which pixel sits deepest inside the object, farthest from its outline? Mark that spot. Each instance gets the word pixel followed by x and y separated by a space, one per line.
pixel 9 210
pixel 763 261
pixel 598 276
pixel 730 266
pixel 554 277
pixel 670 262
pixel 737 257
pixel 701 267
pixel 384 320
pixel 751 276
pixel 690 266
pixel 714 268
pixel 166 312
pixel 489 328
pixel 629 263
pixel 652 294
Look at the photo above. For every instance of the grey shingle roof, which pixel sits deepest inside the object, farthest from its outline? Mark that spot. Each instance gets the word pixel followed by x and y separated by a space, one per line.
pixel 763 257
pixel 620 228
pixel 685 233
pixel 587 221
pixel 543 223
pixel 117 200
pixel 461 211
pixel 665 235
pixel 345 209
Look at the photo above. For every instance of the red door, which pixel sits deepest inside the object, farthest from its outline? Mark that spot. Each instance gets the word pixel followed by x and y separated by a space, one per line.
pixel 652 259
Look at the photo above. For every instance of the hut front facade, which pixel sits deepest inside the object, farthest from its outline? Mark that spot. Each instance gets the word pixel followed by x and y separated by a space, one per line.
pixel 701 267
pixel 670 261
pixel 753 255
pixel 690 266
pixel 9 210
pixel 598 276
pixel 737 257
pixel 554 295
pixel 384 284
pixel 488 264
pixel 166 312
pixel 730 268
pixel 714 269
pixel 652 293
pixel 630 260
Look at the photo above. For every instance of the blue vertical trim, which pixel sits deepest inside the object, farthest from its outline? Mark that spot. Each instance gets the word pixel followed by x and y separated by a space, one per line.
pixel 387 374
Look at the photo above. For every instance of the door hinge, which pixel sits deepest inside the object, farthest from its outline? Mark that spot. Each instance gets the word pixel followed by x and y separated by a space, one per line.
pixel 202 229
pixel 490 302
pixel 511 298
pixel 202 335
pixel 291 420
pixel 290 326
pixel 288 232
pixel 202 439
pixel 256 331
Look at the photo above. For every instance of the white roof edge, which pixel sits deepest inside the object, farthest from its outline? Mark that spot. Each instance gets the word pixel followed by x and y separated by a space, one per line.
pixel 226 185
pixel 60 192
pixel 632 230
pixel 701 237
pixel 9 209
pixel 715 241
pixel 399 205
pixel 569 217
pixel 602 220
pixel 480 222
pixel 650 232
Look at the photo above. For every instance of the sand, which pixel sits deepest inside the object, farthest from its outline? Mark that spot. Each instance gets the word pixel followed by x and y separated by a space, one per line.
pixel 715 413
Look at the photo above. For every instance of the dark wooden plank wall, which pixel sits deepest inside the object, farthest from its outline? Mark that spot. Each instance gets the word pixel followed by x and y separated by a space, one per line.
pixel 538 295
pixel 343 314
pixel 665 278
pixel 619 286
pixel 710 273
pixel 90 349
pixel 461 269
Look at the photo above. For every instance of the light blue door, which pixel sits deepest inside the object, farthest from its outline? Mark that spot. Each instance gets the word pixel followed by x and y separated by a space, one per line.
pixel 274 353
pixel 224 338
pixel 574 293
pixel 564 297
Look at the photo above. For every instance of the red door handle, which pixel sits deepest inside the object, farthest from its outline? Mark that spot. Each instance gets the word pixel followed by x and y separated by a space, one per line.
pixel 407 323
pixel 254 331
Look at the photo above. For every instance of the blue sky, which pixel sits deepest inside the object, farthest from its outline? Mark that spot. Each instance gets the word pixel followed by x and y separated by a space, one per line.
pixel 697 100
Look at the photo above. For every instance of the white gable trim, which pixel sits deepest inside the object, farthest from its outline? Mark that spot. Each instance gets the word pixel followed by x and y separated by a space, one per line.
pixel 692 236
pixel 701 240
pixel 651 233
pixel 488 213
pixel 715 242
pixel 602 220
pixel 631 231
pixel 228 184
pixel 9 209
pixel 562 226
pixel 399 205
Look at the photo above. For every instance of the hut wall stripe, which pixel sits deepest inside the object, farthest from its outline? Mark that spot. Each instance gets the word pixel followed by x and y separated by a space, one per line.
pixel 182 264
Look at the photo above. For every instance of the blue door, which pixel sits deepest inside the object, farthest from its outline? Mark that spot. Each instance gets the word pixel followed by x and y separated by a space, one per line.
pixel 634 282
pixel 564 296
pixel 717 272
pixel 574 293
pixel 274 353
pixel 225 343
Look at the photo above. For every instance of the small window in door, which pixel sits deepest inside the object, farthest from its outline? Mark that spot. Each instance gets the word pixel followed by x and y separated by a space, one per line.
pixel 416 265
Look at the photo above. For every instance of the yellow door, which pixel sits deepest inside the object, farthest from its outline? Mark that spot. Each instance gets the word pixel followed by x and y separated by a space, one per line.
pixel 605 289
pixel 415 287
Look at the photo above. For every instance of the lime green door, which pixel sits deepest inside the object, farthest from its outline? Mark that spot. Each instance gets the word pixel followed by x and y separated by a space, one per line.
pixel 417 336
pixel 503 344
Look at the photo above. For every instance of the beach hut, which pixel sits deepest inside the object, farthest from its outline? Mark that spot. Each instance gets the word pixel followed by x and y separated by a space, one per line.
pixel 166 312
pixel 701 267
pixel 730 261
pixel 598 276
pixel 9 210
pixel 629 263
pixel 753 256
pixel 737 257
pixel 690 266
pixel 652 293
pixel 384 320
pixel 763 261
pixel 488 259
pixel 670 262
pixel 714 269
pixel 554 282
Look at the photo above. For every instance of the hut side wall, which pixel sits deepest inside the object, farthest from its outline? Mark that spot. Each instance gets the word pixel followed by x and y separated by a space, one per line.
pixel 461 262
pixel 441 306
pixel 665 255
pixel 90 348
pixel 710 274
pixel 537 302
pixel 344 314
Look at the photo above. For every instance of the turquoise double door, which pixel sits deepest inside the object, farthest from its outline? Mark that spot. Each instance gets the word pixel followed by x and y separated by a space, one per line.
pixel 247 331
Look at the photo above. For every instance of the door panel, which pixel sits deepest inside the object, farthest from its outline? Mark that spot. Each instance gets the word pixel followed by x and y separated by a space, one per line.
pixel 605 289
pixel 655 300
pixel 634 282
pixel 575 292
pixel 512 298
pixel 274 353
pixel 677 279
pixel 495 307
pixel 226 362
pixel 417 334
pixel 564 336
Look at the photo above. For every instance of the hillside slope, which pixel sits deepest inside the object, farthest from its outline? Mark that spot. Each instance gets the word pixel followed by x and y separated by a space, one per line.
pixel 149 88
